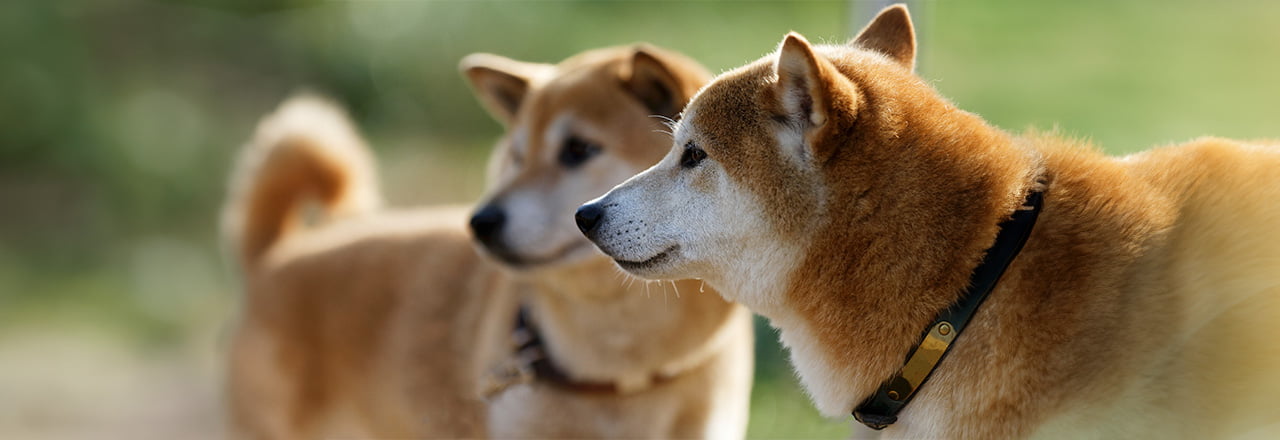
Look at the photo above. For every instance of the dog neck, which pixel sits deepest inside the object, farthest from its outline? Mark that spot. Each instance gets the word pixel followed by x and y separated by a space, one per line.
pixel 881 408
pixel 857 304
pixel 884 265
pixel 598 326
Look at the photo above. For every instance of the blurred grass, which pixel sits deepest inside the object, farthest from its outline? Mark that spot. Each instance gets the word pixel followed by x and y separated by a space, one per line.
pixel 118 119
pixel 1129 75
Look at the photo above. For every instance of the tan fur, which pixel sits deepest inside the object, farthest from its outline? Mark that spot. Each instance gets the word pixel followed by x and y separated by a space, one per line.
pixel 308 152
pixel 379 323
pixel 341 334
pixel 1141 306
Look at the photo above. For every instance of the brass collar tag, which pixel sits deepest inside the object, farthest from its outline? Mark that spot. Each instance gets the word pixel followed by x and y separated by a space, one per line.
pixel 921 363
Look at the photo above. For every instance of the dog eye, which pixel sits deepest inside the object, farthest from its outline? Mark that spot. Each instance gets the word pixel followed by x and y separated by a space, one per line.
pixel 576 151
pixel 692 155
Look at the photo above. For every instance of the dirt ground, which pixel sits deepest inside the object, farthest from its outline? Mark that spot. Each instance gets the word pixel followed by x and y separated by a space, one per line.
pixel 82 384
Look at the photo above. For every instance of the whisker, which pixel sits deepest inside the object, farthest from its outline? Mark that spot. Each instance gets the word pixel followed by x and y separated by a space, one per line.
pixel 628 280
pixel 676 288
pixel 667 122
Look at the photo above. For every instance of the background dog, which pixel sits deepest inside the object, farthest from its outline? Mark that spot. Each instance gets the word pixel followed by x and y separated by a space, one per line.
pixel 835 192
pixel 675 367
pixel 372 324
pixel 380 323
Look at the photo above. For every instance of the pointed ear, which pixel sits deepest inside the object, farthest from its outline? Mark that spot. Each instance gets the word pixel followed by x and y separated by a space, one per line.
pixel 801 87
pixel 652 82
pixel 817 101
pixel 892 34
pixel 500 83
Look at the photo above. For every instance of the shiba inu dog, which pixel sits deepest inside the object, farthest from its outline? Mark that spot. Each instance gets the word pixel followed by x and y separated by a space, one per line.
pixel 835 192
pixel 374 323
pixel 674 367
pixel 386 323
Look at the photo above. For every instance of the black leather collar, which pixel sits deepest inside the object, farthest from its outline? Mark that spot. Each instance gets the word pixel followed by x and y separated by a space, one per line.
pixel 881 409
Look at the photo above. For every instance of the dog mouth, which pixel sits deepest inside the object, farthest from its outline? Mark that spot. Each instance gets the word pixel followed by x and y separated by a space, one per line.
pixel 657 260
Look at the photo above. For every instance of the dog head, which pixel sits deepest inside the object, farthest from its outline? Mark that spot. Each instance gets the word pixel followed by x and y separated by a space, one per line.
pixel 573 130
pixel 770 155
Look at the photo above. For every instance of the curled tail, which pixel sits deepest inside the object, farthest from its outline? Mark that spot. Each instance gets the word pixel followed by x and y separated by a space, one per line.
pixel 306 152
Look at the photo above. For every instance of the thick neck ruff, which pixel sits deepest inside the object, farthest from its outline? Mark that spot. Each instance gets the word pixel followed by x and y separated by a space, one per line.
pixel 881 409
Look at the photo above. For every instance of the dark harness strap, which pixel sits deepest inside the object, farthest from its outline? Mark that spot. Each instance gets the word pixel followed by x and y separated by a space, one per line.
pixel 881 409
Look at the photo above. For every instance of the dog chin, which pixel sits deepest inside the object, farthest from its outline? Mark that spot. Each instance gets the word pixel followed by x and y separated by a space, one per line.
pixel 661 265
pixel 530 262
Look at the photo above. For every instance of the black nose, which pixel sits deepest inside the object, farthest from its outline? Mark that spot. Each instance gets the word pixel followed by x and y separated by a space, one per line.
pixel 588 217
pixel 487 222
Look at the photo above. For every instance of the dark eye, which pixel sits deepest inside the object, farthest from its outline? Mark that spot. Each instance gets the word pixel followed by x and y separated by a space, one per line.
pixel 577 151
pixel 692 155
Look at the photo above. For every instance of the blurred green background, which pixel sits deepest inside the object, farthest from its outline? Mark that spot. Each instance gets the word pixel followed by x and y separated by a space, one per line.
pixel 118 119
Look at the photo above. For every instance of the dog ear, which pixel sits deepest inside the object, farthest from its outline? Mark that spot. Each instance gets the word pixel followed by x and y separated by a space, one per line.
pixel 815 98
pixel 800 85
pixel 500 83
pixel 892 34
pixel 654 83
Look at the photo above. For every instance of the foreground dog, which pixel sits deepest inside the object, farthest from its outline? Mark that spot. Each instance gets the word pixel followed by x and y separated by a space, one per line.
pixel 385 324
pixel 833 191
